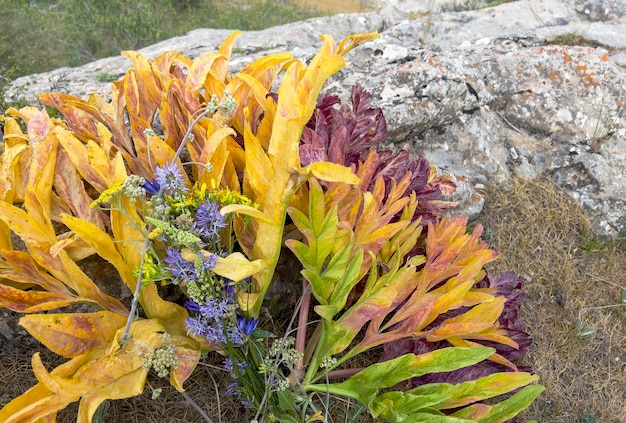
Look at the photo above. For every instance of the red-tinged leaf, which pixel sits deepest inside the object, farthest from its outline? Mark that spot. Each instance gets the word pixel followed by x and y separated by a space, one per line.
pixel 37 197
pixel 143 63
pixel 66 270
pixel 221 67
pixel 496 334
pixel 474 412
pixel 474 321
pixel 34 301
pixel 395 287
pixel 70 188
pixel 91 162
pixel 72 334
pixel 196 77
pixel 21 268
pixel 173 116
pixel 218 141
pixel 80 116
pixel 187 361
pixel 141 108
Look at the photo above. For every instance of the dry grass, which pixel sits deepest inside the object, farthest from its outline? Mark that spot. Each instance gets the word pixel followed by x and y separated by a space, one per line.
pixel 574 288
pixel 572 311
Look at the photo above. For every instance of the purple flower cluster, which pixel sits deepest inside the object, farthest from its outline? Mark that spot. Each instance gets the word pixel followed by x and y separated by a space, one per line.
pixel 229 365
pixel 208 221
pixel 178 266
pixel 217 321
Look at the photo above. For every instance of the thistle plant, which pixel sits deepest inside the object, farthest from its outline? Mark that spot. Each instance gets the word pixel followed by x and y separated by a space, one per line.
pixel 215 176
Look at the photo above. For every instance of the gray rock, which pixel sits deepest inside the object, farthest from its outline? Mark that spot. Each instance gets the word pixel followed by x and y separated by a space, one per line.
pixel 484 94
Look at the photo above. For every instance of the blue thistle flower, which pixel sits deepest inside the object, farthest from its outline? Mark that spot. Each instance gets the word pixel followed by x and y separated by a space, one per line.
pixel 215 309
pixel 216 335
pixel 196 326
pixel 171 178
pixel 178 266
pixel 234 336
pixel 247 402
pixel 208 221
pixel 233 388
pixel 209 261
pixel 228 365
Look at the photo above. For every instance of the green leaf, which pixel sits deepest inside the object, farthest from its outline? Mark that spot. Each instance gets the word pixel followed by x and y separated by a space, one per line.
pixel 397 406
pixel 364 386
pixel 511 407
pixel 486 387
pixel 503 411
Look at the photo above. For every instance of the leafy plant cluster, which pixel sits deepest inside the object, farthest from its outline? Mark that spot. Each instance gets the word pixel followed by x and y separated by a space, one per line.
pixel 42 35
pixel 195 179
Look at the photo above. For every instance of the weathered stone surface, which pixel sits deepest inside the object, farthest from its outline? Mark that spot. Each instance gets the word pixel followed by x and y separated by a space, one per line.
pixel 485 94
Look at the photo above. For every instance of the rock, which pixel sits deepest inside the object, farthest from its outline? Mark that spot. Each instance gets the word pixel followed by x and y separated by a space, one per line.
pixel 522 89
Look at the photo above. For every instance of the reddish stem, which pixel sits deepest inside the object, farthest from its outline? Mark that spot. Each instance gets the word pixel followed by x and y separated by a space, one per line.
pixel 343 373
pixel 303 319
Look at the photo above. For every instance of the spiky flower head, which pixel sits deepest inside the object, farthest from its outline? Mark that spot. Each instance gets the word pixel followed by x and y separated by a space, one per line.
pixel 170 177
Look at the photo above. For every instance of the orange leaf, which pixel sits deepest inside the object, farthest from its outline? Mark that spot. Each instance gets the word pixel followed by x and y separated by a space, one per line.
pixel 33 301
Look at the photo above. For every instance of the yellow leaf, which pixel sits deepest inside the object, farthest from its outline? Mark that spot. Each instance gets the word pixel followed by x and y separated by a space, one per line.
pixel 39 401
pixel 25 226
pixel 237 267
pixel 155 307
pixel 91 162
pixel 249 302
pixel 37 196
pixel 332 172
pixel 247 211
pixel 355 40
pixel 221 68
pixel 258 171
pixel 72 334
pixel 128 385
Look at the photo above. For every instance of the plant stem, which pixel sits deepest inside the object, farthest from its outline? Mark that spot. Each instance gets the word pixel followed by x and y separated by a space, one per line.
pixel 303 319
pixel 343 373
pixel 196 407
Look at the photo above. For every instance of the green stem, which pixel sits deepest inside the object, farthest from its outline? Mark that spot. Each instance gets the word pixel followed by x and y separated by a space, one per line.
pixel 146 246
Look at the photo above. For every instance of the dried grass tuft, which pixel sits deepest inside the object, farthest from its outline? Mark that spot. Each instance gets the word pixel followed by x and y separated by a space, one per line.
pixel 572 310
